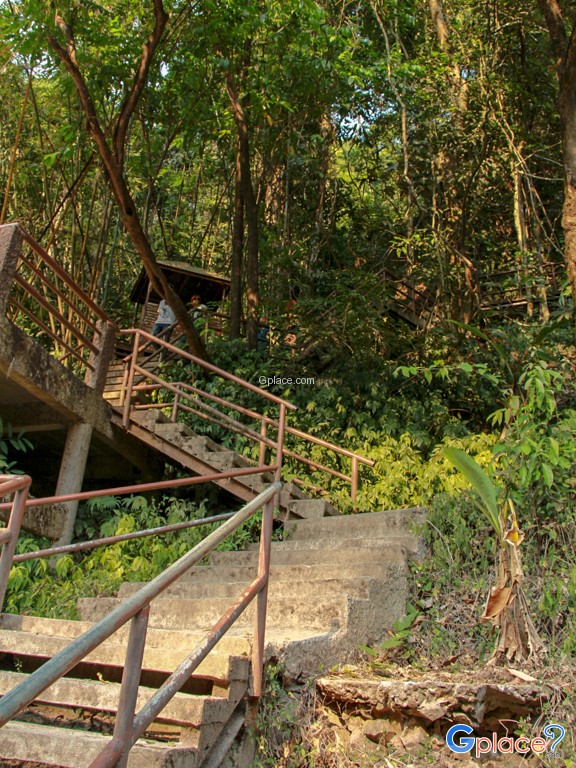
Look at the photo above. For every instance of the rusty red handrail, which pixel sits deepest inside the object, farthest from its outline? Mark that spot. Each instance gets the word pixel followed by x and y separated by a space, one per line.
pixel 143 487
pixel 65 277
pixel 19 485
pixel 131 725
pixel 45 294
pixel 182 391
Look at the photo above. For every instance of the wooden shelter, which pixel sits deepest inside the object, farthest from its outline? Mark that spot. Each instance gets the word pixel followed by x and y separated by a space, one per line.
pixel 187 281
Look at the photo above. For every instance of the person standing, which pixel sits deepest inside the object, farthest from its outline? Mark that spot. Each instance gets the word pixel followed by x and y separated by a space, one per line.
pixel 165 319
pixel 197 309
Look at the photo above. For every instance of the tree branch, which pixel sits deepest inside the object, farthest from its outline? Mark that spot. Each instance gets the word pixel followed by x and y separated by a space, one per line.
pixel 129 105
pixel 68 57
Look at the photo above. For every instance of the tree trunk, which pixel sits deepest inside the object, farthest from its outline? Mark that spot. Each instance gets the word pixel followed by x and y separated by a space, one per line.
pixel 113 161
pixel 237 251
pixel 564 49
pixel 250 212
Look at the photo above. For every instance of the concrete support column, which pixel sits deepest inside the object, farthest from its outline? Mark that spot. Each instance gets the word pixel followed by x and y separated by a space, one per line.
pixel 71 474
pixel 10 249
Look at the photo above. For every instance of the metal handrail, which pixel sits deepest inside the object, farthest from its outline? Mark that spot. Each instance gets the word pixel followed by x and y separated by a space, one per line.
pixel 130 725
pixel 19 485
pixel 138 334
pixel 132 368
pixel 49 297
pixel 143 487
pixel 105 541
pixel 65 277
pixel 179 389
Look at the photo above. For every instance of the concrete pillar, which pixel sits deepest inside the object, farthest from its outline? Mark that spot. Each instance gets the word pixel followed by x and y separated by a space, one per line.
pixel 10 249
pixel 71 474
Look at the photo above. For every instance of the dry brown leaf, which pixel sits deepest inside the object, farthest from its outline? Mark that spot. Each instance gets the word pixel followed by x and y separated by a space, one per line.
pixel 499 599
pixel 522 675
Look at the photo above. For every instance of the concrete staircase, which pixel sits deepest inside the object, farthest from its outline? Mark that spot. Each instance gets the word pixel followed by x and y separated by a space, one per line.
pixel 336 582
pixel 73 719
pixel 203 456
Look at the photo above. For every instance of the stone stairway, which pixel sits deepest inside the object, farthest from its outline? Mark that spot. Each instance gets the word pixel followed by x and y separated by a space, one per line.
pixel 336 582
pixel 74 718
pixel 203 456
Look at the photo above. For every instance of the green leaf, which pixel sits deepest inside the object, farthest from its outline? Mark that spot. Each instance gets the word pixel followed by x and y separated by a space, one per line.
pixel 367 649
pixel 480 481
pixel 548 475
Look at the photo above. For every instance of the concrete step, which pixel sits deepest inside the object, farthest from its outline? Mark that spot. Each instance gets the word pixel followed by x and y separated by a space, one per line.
pixel 410 543
pixel 74 748
pixel 365 525
pixel 180 641
pixel 110 654
pixel 175 433
pixel 304 556
pixel 312 572
pixel 261 481
pixel 311 508
pixel 150 418
pixel 317 613
pixel 190 590
pixel 224 460
pixel 96 696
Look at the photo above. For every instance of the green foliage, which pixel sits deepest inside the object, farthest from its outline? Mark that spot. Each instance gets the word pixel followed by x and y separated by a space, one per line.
pixel 9 442
pixel 36 588
pixel 395 645
pixel 280 729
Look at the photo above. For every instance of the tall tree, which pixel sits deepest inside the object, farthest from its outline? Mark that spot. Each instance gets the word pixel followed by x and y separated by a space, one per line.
pixel 112 141
pixel 564 51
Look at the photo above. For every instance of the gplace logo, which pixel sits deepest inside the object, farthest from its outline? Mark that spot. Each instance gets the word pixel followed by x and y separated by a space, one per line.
pixel 459 740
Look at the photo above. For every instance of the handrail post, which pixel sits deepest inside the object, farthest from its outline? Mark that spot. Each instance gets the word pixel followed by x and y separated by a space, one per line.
pixel 12 533
pixel 354 489
pixel 130 683
pixel 175 404
pixel 264 434
pixel 116 752
pixel 262 599
pixel 124 385
pixel 130 384
pixel 280 443
pixel 99 362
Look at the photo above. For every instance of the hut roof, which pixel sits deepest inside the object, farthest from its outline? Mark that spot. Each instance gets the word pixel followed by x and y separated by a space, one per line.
pixel 186 281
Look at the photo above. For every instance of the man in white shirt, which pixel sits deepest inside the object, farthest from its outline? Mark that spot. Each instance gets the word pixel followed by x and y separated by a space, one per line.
pixel 164 320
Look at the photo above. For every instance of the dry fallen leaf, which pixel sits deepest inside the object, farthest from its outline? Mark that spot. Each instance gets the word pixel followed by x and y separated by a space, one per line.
pixel 522 675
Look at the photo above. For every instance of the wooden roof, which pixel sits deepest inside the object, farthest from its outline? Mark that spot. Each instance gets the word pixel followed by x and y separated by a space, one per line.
pixel 186 281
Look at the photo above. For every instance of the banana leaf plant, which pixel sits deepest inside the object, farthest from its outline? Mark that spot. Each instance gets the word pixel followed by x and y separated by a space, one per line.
pixel 506 607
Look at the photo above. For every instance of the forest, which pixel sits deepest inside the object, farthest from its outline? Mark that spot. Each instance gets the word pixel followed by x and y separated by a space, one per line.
pixel 390 186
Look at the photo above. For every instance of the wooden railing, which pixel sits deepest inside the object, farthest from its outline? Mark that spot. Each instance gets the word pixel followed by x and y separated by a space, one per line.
pixel 415 304
pixel 41 298
pixel 515 287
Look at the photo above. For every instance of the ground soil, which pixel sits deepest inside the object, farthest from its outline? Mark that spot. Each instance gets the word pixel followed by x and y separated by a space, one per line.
pixel 342 735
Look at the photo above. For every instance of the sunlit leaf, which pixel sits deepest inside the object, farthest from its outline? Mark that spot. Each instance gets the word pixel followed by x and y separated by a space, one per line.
pixel 480 481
